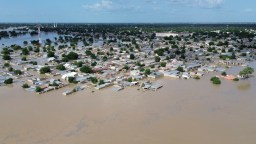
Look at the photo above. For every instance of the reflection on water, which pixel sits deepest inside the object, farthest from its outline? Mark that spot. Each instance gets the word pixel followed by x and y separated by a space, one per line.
pixel 244 86
pixel 20 39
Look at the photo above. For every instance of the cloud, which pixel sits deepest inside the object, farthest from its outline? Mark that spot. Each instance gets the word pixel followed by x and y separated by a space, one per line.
pixel 101 5
pixel 198 3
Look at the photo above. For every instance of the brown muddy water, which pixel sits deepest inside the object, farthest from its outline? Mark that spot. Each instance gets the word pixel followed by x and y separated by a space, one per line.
pixel 182 112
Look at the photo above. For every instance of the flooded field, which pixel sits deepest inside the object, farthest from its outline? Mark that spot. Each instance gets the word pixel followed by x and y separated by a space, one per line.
pixel 182 112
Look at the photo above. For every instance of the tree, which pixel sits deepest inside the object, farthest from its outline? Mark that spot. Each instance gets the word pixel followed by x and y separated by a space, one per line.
pixel 163 64
pixel 44 70
pixel 101 82
pixel 17 72
pixel 60 67
pixel 157 59
pixel 180 69
pixel 25 51
pixel 25 86
pixel 94 80
pixel 129 79
pixel 38 89
pixel 78 64
pixel 50 54
pixel 86 69
pixel 72 80
pixel 24 58
pixel 147 72
pixel 246 72
pixel 72 56
pixel 132 56
pixel 8 81
pixel 224 74
pixel 216 80
pixel 37 50
pixel 6 64
pixel 6 57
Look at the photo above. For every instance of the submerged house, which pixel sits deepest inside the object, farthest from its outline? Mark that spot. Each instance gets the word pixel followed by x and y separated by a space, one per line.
pixel 155 75
pixel 172 74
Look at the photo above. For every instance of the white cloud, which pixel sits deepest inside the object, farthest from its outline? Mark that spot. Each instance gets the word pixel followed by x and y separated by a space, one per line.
pixel 101 5
pixel 200 3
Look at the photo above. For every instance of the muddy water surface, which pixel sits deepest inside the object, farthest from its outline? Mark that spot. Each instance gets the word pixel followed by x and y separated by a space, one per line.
pixel 182 112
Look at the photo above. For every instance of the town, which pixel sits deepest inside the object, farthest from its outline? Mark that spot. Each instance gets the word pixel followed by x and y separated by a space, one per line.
pixel 84 56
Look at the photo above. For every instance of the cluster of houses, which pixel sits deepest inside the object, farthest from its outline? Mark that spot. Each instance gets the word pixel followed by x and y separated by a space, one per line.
pixel 120 64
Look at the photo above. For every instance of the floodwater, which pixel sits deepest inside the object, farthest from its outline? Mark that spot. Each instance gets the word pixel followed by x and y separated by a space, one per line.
pixel 182 112
pixel 27 37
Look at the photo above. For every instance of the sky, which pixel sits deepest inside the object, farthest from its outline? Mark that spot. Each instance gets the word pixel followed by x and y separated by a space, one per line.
pixel 128 11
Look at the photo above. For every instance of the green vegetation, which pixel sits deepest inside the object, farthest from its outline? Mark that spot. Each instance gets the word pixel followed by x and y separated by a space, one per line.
pixel 50 54
pixel 24 58
pixel 78 63
pixel 72 80
pixel 236 79
pixel 6 57
pixel 86 69
pixel 39 89
pixel 17 72
pixel 157 59
pixel 25 86
pixel 147 72
pixel 129 79
pixel 180 69
pixel 60 67
pixel 197 77
pixel 246 72
pixel 8 81
pixel 224 74
pixel 101 82
pixel 45 70
pixel 132 56
pixel 94 80
pixel 163 64
pixel 215 80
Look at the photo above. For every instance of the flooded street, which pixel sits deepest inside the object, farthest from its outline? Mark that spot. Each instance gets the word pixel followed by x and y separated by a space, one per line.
pixel 182 112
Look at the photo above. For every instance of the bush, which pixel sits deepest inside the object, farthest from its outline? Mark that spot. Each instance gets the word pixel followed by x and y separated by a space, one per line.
pixel 101 82
pixel 24 58
pixel 6 57
pixel 147 72
pixel 180 69
pixel 236 79
pixel 78 64
pixel 72 56
pixel 44 70
pixel 17 72
pixel 216 80
pixel 163 64
pixel 50 54
pixel 197 77
pixel 132 56
pixel 246 72
pixel 60 67
pixel 25 86
pixel 129 79
pixel 8 81
pixel 224 74
pixel 39 89
pixel 72 80
pixel 86 69
pixel 157 59
pixel 94 80
pixel 6 64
